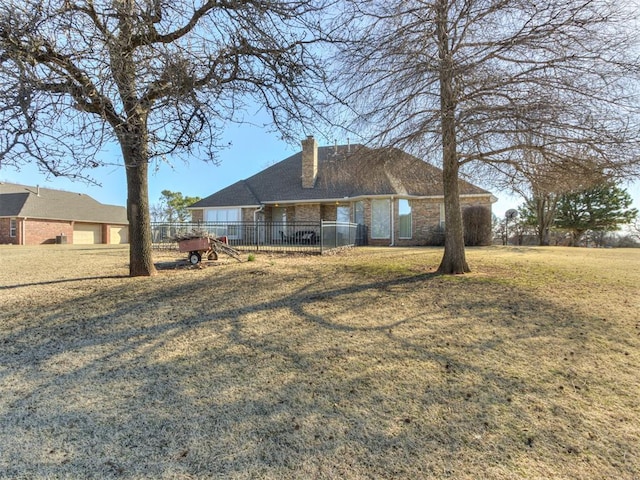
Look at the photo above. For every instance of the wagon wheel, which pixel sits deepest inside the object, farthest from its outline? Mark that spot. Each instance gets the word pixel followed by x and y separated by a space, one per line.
pixel 194 258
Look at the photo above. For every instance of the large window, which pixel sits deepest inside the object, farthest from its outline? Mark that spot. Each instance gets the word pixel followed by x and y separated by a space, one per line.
pixel 404 218
pixel 13 227
pixel 358 213
pixel 343 214
pixel 223 215
pixel 380 219
pixel 226 217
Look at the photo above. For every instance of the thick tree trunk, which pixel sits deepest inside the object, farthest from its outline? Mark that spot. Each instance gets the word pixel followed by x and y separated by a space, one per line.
pixel 134 149
pixel 140 254
pixel 454 260
pixel 133 136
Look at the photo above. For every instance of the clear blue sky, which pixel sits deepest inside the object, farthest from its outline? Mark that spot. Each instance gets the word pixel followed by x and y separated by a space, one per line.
pixel 252 149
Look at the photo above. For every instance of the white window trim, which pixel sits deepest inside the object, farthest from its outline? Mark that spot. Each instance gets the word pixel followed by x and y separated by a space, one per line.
pixel 13 227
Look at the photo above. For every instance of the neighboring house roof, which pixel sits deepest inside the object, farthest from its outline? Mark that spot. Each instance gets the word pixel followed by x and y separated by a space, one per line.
pixel 343 172
pixel 45 203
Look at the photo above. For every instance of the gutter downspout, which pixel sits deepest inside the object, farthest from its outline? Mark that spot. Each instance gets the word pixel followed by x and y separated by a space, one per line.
pixel 255 224
pixel 256 211
pixel 393 233
pixel 23 227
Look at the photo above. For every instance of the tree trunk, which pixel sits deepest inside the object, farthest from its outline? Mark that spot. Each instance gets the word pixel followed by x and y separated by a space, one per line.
pixel 133 136
pixel 576 236
pixel 140 243
pixel 453 260
pixel 134 150
pixel 546 205
pixel 543 229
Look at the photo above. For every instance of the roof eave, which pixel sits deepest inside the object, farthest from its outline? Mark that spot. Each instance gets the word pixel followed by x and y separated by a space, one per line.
pixel 224 206
pixel 75 220
pixel 492 198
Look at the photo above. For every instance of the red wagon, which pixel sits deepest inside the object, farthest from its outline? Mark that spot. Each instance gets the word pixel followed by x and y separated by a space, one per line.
pixel 199 247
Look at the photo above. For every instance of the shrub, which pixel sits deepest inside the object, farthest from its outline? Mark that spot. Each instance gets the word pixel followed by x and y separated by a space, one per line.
pixel 477 225
pixel 435 237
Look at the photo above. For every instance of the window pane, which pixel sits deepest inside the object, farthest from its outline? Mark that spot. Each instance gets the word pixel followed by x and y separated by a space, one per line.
pixel 404 220
pixel 210 215
pixel 343 214
pixel 221 217
pixel 359 213
pixel 380 219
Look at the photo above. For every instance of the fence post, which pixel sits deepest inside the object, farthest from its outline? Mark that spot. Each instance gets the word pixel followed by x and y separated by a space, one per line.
pixel 256 234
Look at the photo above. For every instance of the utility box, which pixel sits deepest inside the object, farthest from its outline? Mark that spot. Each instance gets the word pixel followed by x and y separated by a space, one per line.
pixel 61 239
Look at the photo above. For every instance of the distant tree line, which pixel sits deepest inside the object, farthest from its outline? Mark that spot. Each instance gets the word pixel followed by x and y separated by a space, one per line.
pixel 587 216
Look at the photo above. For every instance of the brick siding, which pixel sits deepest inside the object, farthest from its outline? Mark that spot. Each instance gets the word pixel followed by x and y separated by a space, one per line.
pixel 329 212
pixel 45 231
pixel 5 232
pixel 308 213
pixel 309 162
pixel 197 215
pixel 246 214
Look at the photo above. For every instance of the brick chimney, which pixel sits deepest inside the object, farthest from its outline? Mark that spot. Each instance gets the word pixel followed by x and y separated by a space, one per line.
pixel 309 162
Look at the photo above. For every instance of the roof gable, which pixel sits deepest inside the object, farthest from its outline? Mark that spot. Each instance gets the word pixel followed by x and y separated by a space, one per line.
pixel 12 203
pixel 344 171
pixel 45 203
pixel 237 194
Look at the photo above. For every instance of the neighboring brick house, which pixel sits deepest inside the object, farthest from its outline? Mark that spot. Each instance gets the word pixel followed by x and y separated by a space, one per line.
pixel 35 215
pixel 395 195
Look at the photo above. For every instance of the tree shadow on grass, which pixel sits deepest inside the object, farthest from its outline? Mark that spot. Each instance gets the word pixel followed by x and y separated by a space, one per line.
pixel 60 281
pixel 411 377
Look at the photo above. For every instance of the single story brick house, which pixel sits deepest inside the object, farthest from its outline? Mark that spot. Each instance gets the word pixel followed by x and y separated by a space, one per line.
pixel 396 196
pixel 35 215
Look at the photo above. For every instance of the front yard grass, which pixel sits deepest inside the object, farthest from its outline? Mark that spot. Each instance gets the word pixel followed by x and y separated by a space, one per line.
pixel 361 365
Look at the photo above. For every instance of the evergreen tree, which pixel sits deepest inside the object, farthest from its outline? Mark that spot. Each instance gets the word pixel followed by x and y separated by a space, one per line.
pixel 174 206
pixel 602 208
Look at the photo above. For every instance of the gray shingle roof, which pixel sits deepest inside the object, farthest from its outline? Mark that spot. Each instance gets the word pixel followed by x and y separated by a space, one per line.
pixel 343 171
pixel 45 203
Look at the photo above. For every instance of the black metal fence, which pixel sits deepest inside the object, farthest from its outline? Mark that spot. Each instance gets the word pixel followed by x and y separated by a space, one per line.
pixel 310 237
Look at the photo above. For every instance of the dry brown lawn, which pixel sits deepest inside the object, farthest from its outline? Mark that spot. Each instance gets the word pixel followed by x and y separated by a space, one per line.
pixel 362 365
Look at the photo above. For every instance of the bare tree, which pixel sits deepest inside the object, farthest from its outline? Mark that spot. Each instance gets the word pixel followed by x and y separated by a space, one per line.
pixel 542 182
pixel 485 81
pixel 158 77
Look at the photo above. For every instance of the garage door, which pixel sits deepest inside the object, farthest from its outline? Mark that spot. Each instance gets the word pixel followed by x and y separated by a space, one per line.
pixel 118 235
pixel 87 233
